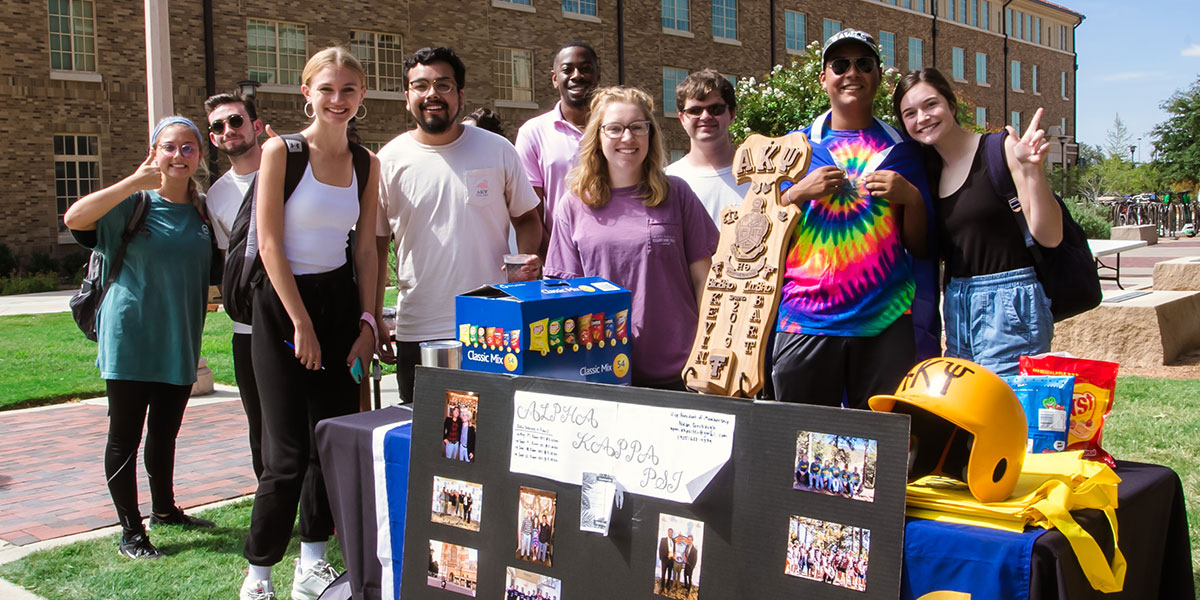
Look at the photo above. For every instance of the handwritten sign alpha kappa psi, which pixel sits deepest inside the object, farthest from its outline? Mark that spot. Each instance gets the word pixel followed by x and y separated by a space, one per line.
pixel 741 294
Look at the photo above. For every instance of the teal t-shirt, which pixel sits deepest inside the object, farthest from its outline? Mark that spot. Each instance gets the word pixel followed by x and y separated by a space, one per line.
pixel 152 319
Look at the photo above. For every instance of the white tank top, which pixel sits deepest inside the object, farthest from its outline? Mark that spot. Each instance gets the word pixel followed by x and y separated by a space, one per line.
pixel 316 221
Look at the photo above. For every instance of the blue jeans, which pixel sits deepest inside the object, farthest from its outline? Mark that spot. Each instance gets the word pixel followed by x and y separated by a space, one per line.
pixel 995 319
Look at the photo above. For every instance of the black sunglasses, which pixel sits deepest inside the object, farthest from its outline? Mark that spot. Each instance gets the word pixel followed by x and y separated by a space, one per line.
pixel 218 126
pixel 715 110
pixel 864 64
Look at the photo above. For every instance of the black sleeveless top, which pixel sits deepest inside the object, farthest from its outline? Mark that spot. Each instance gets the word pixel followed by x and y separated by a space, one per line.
pixel 977 230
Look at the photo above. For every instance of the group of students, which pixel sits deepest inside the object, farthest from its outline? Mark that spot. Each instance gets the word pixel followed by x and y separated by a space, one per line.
pixel 828 477
pixel 536 535
pixel 836 567
pixel 858 303
pixel 456 503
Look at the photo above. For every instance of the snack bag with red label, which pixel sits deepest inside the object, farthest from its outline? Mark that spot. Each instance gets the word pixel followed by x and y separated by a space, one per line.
pixel 1095 384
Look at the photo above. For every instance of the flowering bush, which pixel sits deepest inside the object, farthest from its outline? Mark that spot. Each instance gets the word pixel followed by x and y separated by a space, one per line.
pixel 789 98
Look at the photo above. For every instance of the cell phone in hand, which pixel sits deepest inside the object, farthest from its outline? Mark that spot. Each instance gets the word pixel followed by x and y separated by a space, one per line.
pixel 356 370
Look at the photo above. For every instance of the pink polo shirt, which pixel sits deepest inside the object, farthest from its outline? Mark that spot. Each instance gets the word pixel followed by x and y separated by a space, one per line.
pixel 547 145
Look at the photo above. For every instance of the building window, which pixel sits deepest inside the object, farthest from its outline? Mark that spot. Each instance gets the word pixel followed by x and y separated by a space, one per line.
pixel 1014 119
pixel 1062 127
pixel 76 170
pixel 974 5
pixel 958 56
pixel 275 51
pixel 980 116
pixel 829 28
pixel 580 7
pixel 672 77
pixel 793 30
pixel 950 9
pixel 519 2
pixel 382 56
pixel 1033 83
pixel 676 156
pixel 1062 83
pixel 887 47
pixel 1037 29
pixel 514 74
pixel 985 12
pixel 1062 37
pixel 915 60
pixel 1008 30
pixel 725 19
pixel 1016 75
pixel 72 35
pixel 675 15
pixel 981 68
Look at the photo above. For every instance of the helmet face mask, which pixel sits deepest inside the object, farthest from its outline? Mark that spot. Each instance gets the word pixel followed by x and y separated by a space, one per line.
pixel 966 423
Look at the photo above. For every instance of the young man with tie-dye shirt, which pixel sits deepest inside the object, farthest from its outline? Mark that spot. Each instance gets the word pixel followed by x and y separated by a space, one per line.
pixel 845 329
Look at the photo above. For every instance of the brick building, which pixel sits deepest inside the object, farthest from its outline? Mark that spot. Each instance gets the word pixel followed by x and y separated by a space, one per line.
pixel 72 72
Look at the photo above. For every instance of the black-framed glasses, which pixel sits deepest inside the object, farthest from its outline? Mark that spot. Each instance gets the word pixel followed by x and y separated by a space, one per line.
pixel 714 110
pixel 422 86
pixel 864 64
pixel 185 150
pixel 616 130
pixel 234 122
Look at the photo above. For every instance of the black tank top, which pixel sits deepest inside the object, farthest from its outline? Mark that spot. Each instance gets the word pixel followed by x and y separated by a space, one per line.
pixel 977 229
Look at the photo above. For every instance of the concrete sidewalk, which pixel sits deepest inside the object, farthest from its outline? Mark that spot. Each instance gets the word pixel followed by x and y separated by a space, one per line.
pixel 32 304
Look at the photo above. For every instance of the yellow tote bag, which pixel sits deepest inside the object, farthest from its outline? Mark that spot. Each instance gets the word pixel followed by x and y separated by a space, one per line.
pixel 1051 485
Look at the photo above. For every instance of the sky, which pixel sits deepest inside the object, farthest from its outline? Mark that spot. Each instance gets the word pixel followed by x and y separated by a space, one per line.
pixel 1132 56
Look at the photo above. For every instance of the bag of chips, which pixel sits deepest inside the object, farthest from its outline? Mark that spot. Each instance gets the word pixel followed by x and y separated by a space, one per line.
pixel 1095 385
pixel 1047 403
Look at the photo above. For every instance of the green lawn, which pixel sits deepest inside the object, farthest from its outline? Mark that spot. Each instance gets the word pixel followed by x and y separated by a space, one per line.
pixel 200 564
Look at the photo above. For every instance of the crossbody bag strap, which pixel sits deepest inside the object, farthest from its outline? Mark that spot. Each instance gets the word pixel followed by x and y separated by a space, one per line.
pixel 136 220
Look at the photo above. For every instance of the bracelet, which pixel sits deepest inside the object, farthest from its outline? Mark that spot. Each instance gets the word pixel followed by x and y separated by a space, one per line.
pixel 370 320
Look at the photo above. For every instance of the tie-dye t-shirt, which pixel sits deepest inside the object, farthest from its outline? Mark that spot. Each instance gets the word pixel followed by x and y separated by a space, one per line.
pixel 846 272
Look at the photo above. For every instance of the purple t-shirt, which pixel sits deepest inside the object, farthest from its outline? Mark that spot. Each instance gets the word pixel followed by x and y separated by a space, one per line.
pixel 547 145
pixel 647 251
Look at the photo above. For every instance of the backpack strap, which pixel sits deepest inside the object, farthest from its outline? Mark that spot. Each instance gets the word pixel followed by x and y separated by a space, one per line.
pixel 362 166
pixel 297 162
pixel 1004 186
pixel 137 219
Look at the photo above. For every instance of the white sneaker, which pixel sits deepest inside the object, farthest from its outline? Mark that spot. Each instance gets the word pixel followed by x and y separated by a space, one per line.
pixel 310 583
pixel 259 590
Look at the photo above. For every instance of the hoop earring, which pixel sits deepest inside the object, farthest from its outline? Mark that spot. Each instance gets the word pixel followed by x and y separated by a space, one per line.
pixel 363 108
pixel 309 111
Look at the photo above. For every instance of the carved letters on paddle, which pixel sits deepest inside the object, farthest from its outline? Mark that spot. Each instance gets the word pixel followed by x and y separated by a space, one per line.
pixel 741 295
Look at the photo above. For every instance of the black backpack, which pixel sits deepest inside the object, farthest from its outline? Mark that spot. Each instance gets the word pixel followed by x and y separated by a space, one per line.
pixel 244 273
pixel 1067 272
pixel 85 304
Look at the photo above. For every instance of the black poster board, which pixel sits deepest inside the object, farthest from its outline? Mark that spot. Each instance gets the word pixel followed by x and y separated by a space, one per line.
pixel 745 509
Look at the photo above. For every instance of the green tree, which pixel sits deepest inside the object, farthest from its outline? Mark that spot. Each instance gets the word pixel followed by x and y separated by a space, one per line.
pixel 1118 140
pixel 1178 138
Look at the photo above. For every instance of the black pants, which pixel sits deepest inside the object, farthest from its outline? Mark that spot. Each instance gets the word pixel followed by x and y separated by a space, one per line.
pixel 243 373
pixel 129 405
pixel 825 369
pixel 408 356
pixel 294 400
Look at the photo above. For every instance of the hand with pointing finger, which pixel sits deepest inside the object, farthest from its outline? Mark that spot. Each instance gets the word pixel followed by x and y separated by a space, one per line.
pixel 1030 148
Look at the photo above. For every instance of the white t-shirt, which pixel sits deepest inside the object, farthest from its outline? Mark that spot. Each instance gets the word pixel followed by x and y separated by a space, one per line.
pixel 224 200
pixel 449 209
pixel 716 189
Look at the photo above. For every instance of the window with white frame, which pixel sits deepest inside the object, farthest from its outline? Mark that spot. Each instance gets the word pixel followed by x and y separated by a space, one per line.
pixel 725 19
pixel 1062 126
pixel 382 57
pixel 517 2
pixel 675 15
pixel 1016 75
pixel 958 63
pixel 793 30
pixel 981 68
pixel 829 27
pixel 1014 119
pixel 1062 37
pixel 579 7
pixel 1033 79
pixel 950 9
pixel 672 77
pixel 985 19
pixel 915 50
pixel 76 171
pixel 887 47
pixel 1062 84
pixel 72 35
pixel 275 51
pixel 974 7
pixel 980 116
pixel 514 74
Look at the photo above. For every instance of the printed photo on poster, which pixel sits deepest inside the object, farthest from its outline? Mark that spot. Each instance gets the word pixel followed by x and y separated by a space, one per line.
pixel 457 503
pixel 524 585
pixel 453 568
pixel 596 502
pixel 535 525
pixel 836 465
pixel 677 567
pixel 459 427
pixel 828 552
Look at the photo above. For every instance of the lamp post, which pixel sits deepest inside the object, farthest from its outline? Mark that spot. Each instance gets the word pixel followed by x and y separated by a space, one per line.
pixel 1131 158
pixel 248 88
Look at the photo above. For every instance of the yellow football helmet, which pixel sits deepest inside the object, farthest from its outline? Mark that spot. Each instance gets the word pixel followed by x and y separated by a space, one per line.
pixel 967 424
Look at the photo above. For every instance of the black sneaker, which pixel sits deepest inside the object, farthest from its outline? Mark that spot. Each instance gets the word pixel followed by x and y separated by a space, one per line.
pixel 138 547
pixel 178 517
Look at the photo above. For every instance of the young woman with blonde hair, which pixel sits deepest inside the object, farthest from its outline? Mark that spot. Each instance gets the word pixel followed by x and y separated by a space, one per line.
pixel 151 320
pixel 627 221
pixel 312 320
